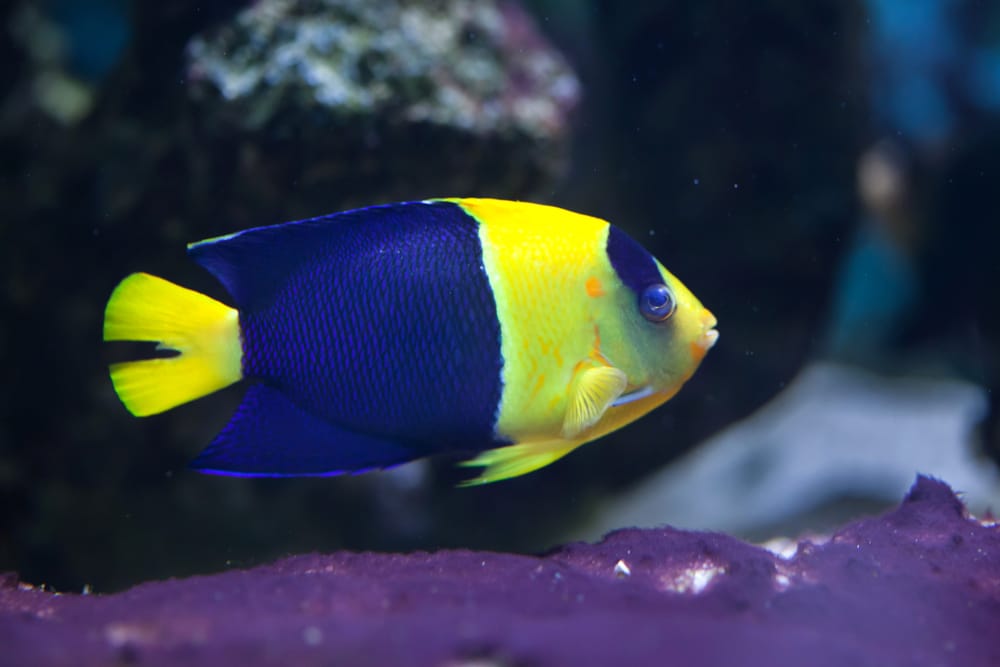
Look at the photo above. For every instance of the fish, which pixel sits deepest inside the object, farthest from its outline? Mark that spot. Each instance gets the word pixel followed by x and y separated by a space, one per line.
pixel 508 332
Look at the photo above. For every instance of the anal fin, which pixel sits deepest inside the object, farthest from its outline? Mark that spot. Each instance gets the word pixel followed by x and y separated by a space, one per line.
pixel 270 436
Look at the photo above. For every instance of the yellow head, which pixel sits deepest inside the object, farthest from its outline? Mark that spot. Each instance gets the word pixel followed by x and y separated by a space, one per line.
pixel 575 293
pixel 657 331
pixel 594 331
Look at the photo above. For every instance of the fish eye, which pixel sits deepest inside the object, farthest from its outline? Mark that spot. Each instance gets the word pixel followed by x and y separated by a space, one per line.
pixel 657 303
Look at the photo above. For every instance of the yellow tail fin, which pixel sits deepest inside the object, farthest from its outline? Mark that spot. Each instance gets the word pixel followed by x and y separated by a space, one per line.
pixel 206 333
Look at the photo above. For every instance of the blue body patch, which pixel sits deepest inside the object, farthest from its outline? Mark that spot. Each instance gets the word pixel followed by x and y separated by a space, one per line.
pixel 379 323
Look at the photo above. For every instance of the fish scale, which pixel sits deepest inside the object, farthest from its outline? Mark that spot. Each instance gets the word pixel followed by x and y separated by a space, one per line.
pixel 439 348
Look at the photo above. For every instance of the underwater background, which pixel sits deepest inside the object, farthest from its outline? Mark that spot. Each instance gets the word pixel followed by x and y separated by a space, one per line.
pixel 822 176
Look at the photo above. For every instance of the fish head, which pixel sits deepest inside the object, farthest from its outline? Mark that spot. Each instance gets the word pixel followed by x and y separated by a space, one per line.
pixel 662 332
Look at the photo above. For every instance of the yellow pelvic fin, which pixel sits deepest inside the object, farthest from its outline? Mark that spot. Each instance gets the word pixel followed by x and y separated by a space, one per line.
pixel 515 460
pixel 206 333
pixel 594 390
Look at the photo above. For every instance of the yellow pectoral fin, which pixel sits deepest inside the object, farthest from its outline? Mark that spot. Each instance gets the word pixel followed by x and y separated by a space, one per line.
pixel 515 460
pixel 594 390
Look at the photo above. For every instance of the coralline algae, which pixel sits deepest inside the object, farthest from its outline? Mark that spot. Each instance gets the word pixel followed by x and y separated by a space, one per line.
pixel 917 586
pixel 476 64
pixel 392 88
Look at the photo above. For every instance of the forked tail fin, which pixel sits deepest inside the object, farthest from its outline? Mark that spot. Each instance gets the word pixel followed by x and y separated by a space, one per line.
pixel 204 332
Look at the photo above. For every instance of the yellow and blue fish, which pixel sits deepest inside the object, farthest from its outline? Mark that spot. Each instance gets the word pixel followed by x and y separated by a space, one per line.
pixel 509 330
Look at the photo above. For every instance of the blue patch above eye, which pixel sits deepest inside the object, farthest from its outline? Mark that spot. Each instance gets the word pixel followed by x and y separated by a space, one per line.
pixel 657 303
pixel 636 267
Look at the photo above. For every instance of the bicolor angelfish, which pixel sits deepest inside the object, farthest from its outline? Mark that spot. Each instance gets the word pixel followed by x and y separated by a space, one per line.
pixel 515 332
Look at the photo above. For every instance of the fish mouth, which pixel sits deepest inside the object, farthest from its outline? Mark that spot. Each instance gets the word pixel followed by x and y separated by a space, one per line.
pixel 708 339
pixel 709 335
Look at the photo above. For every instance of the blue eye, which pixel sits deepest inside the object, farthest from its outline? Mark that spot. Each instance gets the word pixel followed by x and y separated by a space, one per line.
pixel 657 303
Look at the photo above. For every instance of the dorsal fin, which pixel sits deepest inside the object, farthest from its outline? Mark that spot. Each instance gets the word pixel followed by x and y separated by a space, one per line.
pixel 247 263
pixel 252 263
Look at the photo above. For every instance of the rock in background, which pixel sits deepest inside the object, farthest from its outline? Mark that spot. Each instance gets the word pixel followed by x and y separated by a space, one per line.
pixel 838 442
pixel 389 101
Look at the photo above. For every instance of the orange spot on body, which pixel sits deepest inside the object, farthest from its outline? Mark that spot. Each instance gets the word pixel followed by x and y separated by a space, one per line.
pixel 594 287
pixel 597 354
pixel 698 351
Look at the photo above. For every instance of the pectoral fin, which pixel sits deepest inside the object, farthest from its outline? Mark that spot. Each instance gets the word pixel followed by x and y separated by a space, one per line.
pixel 593 392
pixel 515 460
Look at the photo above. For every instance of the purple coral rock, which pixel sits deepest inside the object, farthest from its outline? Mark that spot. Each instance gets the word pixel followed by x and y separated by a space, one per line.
pixel 917 586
